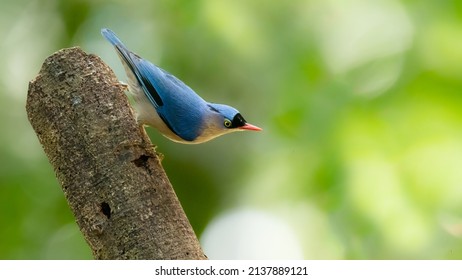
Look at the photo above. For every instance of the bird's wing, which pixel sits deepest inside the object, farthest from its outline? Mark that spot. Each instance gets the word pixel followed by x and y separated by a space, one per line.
pixel 178 105
pixel 183 111
pixel 143 73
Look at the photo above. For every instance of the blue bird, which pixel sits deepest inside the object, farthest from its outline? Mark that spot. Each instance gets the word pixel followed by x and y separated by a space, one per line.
pixel 167 104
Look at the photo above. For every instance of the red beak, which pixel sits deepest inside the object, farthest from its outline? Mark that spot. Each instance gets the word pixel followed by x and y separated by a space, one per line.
pixel 249 126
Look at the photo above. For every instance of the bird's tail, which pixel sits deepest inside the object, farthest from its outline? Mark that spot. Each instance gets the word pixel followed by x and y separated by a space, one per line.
pixel 112 37
pixel 126 55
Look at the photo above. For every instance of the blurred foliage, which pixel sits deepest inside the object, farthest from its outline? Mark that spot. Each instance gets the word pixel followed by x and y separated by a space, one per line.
pixel 360 102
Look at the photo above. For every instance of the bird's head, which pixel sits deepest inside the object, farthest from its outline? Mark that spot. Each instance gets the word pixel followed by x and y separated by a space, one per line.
pixel 222 119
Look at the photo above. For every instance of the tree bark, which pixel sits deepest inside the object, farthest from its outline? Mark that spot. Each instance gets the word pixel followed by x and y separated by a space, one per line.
pixel 105 163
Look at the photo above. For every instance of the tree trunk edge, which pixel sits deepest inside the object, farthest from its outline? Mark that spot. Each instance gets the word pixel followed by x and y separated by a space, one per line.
pixel 105 163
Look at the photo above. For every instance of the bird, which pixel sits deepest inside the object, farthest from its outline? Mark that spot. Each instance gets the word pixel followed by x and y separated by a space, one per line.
pixel 166 103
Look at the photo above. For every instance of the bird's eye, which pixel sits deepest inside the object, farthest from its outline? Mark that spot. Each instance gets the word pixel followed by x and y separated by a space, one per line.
pixel 227 123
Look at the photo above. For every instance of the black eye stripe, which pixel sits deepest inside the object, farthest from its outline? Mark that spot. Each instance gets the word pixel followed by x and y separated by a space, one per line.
pixel 238 121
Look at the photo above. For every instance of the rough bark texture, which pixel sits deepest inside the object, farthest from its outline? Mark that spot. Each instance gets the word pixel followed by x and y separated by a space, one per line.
pixel 111 176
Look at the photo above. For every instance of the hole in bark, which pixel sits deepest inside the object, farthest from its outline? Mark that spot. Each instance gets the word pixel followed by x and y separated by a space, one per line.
pixel 142 161
pixel 106 210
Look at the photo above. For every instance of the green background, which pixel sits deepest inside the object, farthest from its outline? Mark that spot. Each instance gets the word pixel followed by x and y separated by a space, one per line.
pixel 360 101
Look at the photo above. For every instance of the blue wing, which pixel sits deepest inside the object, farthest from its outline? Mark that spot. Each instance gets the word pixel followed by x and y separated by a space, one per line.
pixel 178 105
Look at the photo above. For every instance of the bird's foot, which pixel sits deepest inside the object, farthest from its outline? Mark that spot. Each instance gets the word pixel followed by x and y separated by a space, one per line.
pixel 123 85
